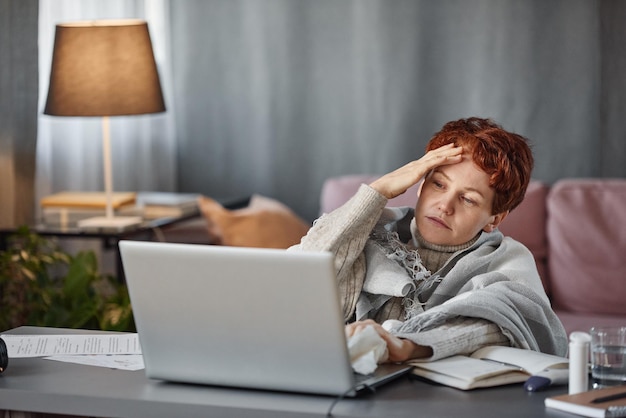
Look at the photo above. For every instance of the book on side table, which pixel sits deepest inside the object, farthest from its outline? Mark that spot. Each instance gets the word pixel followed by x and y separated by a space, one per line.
pixel 83 200
pixel 488 366
pixel 154 205
pixel 67 209
pixel 605 402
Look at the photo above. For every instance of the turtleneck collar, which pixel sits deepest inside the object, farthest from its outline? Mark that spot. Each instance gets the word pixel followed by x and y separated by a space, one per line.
pixel 419 242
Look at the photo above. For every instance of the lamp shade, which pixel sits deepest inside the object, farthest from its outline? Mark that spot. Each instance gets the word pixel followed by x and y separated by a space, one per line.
pixel 103 68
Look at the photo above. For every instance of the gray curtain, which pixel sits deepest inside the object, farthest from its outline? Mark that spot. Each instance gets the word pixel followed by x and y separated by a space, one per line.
pixel 611 138
pixel 274 96
pixel 18 110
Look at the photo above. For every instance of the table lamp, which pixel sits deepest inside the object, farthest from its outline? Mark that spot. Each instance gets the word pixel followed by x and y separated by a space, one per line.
pixel 104 68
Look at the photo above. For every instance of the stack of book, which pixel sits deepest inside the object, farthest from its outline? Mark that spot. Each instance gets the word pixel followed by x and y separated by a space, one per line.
pixel 153 205
pixel 66 209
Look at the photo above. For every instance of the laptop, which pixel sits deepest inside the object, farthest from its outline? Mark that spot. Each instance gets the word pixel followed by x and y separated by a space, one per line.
pixel 242 317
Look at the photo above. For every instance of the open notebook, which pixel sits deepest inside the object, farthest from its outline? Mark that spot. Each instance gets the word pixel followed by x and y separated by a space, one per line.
pixel 242 317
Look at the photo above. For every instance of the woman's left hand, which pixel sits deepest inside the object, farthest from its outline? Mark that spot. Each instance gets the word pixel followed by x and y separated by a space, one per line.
pixel 399 349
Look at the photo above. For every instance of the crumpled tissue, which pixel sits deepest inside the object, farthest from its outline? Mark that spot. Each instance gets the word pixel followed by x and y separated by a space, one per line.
pixel 367 349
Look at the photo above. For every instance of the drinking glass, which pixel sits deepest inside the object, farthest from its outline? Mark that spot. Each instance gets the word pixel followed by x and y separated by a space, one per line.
pixel 608 356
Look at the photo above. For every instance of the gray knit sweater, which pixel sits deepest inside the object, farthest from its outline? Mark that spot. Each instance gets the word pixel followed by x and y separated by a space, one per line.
pixel 486 293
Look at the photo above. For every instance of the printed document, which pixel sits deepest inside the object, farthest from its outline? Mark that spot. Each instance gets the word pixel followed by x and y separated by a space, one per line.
pixel 19 346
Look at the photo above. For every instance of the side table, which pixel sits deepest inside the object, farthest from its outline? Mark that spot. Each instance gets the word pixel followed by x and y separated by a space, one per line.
pixel 148 230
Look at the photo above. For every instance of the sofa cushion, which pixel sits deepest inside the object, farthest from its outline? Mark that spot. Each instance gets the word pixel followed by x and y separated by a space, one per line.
pixel 264 223
pixel 337 190
pixel 575 321
pixel 587 245
pixel 527 224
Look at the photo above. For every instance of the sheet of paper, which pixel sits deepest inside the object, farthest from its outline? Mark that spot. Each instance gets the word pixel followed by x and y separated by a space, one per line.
pixel 123 362
pixel 73 344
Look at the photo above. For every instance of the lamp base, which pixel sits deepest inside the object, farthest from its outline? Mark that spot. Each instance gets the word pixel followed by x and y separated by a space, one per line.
pixel 115 223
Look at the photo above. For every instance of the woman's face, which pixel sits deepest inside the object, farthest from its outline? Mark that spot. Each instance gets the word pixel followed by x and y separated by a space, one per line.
pixel 455 204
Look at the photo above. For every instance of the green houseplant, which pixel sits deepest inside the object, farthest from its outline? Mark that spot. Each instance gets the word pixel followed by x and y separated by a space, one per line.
pixel 42 285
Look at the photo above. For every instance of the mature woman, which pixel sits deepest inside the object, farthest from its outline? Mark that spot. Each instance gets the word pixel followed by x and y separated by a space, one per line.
pixel 442 279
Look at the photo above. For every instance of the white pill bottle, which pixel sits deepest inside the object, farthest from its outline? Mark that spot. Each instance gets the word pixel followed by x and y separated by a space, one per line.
pixel 579 343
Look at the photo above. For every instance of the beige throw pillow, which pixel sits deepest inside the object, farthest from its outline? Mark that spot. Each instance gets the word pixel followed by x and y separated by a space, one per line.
pixel 264 223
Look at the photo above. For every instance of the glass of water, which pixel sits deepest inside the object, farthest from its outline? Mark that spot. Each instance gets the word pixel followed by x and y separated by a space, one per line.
pixel 608 356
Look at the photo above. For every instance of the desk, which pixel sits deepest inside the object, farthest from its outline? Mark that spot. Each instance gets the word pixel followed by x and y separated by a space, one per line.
pixel 39 385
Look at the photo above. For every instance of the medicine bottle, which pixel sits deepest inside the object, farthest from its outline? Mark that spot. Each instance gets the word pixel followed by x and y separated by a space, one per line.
pixel 578 362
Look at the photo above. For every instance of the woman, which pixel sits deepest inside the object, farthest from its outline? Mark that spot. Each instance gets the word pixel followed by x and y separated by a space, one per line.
pixel 441 279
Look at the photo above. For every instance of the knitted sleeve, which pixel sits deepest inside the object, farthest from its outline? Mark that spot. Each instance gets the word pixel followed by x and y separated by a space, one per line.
pixel 344 232
pixel 462 335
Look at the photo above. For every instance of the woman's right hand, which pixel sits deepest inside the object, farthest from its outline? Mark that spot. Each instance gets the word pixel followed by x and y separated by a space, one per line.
pixel 399 349
pixel 398 181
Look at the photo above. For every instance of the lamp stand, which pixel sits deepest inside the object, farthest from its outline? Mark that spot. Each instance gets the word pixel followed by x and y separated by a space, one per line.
pixel 109 221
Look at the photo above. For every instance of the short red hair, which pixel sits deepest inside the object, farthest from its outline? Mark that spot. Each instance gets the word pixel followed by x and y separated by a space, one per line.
pixel 505 156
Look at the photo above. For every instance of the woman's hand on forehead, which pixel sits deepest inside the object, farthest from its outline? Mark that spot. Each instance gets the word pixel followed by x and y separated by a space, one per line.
pixel 398 181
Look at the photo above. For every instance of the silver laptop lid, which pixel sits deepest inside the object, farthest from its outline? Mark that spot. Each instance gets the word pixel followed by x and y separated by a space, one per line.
pixel 232 316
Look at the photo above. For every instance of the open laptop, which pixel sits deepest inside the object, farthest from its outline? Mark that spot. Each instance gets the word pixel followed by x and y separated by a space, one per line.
pixel 242 317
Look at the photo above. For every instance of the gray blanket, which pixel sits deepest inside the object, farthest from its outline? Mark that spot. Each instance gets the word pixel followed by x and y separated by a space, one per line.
pixel 495 279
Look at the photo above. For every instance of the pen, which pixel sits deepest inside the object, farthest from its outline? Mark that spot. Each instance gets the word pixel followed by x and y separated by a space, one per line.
pixel 616 396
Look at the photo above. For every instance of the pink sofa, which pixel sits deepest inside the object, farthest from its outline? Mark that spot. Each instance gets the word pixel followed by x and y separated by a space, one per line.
pixel 576 230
